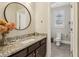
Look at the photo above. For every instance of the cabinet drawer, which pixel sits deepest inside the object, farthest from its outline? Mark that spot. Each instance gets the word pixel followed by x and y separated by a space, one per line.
pixel 43 41
pixel 33 47
pixel 21 53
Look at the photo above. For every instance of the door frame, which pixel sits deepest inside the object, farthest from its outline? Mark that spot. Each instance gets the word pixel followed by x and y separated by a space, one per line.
pixel 74 17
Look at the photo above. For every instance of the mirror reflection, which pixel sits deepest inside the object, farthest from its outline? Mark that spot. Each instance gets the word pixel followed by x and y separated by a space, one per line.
pixel 19 14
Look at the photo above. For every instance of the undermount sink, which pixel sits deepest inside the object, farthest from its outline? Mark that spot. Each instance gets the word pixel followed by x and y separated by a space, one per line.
pixel 27 41
pixel 22 41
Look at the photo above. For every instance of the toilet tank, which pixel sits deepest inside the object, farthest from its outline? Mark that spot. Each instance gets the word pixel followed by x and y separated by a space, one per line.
pixel 58 35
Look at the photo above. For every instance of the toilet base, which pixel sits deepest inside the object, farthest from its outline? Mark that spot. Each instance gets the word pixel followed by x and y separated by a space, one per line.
pixel 58 43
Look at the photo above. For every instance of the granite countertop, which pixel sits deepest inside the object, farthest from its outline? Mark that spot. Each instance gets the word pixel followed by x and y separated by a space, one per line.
pixel 16 46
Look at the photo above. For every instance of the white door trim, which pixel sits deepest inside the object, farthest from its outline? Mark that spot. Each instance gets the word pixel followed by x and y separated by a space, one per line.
pixel 74 17
pixel 48 54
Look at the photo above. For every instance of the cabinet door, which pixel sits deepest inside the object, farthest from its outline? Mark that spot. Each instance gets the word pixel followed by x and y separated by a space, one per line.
pixel 33 47
pixel 21 53
pixel 41 51
pixel 31 54
pixel 43 48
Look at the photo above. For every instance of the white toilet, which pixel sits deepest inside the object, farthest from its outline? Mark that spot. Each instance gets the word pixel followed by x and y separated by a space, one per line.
pixel 58 38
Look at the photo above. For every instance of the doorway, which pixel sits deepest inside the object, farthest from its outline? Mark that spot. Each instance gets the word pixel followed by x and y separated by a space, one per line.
pixel 61 22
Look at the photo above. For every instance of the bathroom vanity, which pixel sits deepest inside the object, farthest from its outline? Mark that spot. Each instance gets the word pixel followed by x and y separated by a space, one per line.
pixel 37 49
pixel 23 45
pixel 32 46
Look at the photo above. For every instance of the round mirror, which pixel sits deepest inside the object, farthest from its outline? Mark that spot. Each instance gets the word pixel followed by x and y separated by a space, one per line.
pixel 19 14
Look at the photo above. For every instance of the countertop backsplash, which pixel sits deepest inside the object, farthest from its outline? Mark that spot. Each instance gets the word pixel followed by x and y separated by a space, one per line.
pixel 11 39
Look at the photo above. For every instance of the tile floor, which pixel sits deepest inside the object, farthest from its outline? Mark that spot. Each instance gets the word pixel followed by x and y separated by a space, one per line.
pixel 62 51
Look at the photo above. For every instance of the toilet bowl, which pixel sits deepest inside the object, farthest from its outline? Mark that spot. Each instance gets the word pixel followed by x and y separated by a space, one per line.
pixel 58 39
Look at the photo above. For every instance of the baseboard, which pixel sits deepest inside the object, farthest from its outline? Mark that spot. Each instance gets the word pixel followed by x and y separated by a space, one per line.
pixel 65 42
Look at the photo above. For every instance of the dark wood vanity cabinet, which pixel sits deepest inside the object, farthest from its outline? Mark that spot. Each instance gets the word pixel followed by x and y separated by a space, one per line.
pixel 21 53
pixel 32 54
pixel 41 51
pixel 37 49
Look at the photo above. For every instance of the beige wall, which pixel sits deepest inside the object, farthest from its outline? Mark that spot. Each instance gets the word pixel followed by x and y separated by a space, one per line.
pixel 41 17
pixel 43 14
pixel 17 32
